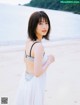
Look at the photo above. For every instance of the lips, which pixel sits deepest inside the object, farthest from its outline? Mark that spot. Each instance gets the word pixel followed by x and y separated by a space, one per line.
pixel 43 30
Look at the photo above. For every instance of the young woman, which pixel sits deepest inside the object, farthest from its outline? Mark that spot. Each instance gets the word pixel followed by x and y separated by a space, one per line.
pixel 31 90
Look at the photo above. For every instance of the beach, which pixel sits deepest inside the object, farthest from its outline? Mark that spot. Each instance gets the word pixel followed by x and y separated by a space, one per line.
pixel 63 76
pixel 14 23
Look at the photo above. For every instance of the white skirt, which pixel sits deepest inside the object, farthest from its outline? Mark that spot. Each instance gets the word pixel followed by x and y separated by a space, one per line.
pixel 31 90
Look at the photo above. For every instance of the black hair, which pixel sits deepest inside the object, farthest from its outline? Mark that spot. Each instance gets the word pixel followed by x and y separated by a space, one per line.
pixel 33 21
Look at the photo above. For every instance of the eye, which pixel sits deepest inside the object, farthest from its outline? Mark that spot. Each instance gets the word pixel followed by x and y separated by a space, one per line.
pixel 40 23
pixel 46 22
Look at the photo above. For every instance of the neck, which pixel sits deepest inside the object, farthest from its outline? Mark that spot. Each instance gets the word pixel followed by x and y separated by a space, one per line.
pixel 39 38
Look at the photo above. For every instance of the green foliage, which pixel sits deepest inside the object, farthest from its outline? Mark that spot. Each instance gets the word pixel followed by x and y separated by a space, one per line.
pixel 56 5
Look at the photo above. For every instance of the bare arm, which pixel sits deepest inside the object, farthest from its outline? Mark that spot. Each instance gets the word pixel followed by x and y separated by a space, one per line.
pixel 39 68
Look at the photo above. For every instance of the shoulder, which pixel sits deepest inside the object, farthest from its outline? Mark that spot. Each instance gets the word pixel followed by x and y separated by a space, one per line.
pixel 38 46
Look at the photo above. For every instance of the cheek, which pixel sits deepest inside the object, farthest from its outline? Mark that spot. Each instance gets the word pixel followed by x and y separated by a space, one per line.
pixel 47 26
pixel 38 28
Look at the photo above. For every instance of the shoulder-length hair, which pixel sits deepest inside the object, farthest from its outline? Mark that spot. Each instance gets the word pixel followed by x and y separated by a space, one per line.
pixel 33 22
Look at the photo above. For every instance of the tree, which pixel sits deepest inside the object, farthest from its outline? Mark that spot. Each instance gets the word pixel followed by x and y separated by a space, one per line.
pixel 56 5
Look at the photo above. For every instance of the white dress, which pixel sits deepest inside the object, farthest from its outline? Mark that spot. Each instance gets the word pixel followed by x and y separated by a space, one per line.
pixel 31 89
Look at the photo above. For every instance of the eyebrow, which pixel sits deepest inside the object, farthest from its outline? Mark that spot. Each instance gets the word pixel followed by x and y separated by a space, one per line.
pixel 43 19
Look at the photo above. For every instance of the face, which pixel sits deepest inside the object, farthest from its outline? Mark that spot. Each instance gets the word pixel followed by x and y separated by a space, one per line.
pixel 42 28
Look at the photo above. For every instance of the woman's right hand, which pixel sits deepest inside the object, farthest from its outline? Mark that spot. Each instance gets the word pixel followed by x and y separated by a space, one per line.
pixel 51 59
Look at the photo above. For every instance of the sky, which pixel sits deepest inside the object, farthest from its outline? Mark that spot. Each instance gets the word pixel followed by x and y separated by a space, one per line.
pixel 14 2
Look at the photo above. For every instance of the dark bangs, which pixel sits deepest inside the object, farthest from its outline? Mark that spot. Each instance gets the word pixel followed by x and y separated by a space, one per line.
pixel 35 18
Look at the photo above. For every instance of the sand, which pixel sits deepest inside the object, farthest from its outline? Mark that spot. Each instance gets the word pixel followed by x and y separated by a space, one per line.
pixel 63 76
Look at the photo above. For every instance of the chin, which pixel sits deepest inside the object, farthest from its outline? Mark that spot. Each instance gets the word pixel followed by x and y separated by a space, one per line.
pixel 44 35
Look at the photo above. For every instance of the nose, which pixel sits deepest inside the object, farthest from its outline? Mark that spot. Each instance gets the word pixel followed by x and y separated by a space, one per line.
pixel 44 25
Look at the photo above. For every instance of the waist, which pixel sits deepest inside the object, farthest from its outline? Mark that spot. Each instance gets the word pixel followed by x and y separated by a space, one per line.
pixel 28 76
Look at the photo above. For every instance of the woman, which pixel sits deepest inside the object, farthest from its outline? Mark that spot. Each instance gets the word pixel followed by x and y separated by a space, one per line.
pixel 31 90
